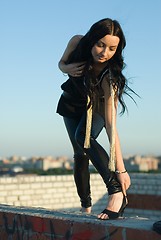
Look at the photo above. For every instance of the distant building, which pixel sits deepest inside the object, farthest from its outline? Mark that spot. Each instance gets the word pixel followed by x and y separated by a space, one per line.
pixel 17 164
pixel 49 162
pixel 141 163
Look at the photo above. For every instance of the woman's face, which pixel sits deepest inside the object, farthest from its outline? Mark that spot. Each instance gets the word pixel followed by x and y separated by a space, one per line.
pixel 105 48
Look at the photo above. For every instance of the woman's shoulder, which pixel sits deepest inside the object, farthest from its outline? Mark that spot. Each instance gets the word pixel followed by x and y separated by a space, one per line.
pixel 75 39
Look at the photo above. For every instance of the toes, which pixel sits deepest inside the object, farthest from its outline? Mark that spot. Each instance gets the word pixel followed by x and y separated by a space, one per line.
pixel 100 215
pixel 103 216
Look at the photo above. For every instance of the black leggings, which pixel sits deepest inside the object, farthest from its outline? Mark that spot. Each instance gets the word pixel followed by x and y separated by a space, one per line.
pixel 96 153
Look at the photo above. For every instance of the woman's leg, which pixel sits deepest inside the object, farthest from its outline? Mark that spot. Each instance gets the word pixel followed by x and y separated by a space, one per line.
pixel 96 152
pixel 100 159
pixel 81 164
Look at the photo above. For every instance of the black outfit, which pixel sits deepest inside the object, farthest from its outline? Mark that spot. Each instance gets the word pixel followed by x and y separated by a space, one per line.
pixel 72 106
pixel 157 227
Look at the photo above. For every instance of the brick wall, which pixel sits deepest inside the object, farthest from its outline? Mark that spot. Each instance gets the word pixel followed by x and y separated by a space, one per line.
pixel 59 192
pixel 39 224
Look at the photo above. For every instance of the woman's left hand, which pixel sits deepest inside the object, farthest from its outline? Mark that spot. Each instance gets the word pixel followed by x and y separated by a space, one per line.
pixel 125 181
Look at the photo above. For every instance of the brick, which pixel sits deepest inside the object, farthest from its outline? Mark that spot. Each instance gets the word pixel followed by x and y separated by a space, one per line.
pixel 35 202
pixel 53 200
pixel 17 203
pixel 53 178
pixel 47 185
pixel 2 187
pixel 27 179
pixel 24 197
pixel 55 190
pixel 57 184
pixel 24 186
pixel 35 186
pixel 2 199
pixel 59 178
pixel 68 184
pixel 68 205
pixel 58 195
pixel 6 180
pixel 16 192
pixel 11 187
pixel 11 198
pixel 4 193
pixel 47 196
pixel 28 192
pixel 69 178
pixel 41 191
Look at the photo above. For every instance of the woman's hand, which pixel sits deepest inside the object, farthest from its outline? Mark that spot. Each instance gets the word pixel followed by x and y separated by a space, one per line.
pixel 75 69
pixel 125 181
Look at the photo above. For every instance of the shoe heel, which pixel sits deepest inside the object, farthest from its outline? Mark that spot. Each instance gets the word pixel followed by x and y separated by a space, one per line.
pixel 122 212
pixel 124 205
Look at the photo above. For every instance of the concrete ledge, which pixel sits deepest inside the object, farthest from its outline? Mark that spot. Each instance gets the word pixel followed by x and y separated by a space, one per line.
pixel 23 223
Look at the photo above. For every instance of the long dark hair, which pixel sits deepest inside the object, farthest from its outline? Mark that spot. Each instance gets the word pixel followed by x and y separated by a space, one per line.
pixel 116 64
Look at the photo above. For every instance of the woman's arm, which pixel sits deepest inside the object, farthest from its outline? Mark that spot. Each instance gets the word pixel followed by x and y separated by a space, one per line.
pixel 73 69
pixel 122 177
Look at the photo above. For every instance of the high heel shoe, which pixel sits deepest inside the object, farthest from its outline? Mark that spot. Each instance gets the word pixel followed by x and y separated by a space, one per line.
pixel 115 215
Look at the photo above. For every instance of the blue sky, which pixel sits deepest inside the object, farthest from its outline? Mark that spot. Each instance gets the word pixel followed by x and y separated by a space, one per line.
pixel 34 34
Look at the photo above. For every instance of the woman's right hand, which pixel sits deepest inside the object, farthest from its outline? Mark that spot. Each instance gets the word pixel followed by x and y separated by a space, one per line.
pixel 125 181
pixel 75 69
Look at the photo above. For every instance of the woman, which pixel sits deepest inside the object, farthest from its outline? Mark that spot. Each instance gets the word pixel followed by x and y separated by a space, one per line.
pixel 94 64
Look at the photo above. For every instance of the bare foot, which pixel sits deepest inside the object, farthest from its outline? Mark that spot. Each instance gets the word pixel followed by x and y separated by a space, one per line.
pixel 114 204
pixel 86 210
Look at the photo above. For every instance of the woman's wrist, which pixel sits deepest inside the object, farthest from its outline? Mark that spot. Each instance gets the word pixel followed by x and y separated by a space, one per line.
pixel 120 172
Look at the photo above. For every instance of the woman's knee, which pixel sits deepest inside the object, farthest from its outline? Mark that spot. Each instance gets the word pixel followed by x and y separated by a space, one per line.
pixel 81 161
pixel 79 138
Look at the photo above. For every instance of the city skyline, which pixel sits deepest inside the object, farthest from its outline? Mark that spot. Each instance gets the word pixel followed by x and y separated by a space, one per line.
pixel 34 35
